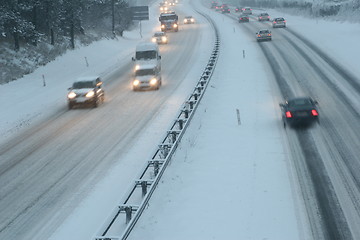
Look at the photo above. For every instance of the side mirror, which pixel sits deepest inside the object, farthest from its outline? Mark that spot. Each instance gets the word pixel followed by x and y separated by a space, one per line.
pixel 133 59
pixel 99 84
pixel 315 102
pixel 70 88
pixel 159 57
pixel 281 105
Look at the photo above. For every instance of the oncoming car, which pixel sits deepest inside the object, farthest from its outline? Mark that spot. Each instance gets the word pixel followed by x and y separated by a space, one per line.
pixel 86 91
pixel 147 77
pixel 189 20
pixel 263 35
pixel 160 38
pixel 279 22
pixel 299 112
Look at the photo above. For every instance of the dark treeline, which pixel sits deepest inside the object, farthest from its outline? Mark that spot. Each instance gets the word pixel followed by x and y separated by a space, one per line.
pixel 32 21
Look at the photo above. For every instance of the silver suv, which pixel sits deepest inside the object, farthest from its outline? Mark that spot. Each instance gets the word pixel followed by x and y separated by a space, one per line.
pixel 86 91
pixel 279 22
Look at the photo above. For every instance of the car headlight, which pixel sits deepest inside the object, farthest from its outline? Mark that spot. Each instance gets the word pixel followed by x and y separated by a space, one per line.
pixel 153 81
pixel 90 94
pixel 192 20
pixel 175 25
pixel 137 66
pixel 136 82
pixel 163 26
pixel 153 39
pixel 71 95
pixel 164 39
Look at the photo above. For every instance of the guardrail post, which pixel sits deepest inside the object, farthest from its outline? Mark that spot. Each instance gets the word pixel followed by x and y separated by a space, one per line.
pixel 186 112
pixel 191 103
pixel 128 211
pixel 181 124
pixel 173 137
pixel 144 187
pixel 156 168
pixel 196 96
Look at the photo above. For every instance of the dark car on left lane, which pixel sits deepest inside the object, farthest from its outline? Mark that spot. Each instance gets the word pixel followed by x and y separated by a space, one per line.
pixel 299 112
pixel 86 91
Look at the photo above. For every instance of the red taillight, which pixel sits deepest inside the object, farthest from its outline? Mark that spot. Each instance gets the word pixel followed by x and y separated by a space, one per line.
pixel 260 17
pixel 259 35
pixel 314 112
pixel 284 21
pixel 288 114
pixel 269 34
pixel 274 22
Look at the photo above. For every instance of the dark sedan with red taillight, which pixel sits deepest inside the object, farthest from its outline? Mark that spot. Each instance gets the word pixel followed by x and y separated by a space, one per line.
pixel 299 112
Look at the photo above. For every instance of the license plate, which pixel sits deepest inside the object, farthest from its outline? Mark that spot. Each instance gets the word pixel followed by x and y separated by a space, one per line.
pixel 302 114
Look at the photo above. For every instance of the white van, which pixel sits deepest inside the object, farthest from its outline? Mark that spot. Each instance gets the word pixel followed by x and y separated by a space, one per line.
pixel 147 53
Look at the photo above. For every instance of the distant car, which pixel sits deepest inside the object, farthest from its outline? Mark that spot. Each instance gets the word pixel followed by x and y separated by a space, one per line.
pixel 246 10
pixel 244 18
pixel 225 10
pixel 189 20
pixel 147 77
pixel 263 35
pixel 86 91
pixel 160 38
pixel 263 17
pixel 279 22
pixel 299 112
pixel 237 9
pixel 218 8
pixel 214 4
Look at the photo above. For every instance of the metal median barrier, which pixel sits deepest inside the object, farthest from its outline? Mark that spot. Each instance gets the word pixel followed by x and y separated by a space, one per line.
pixel 139 194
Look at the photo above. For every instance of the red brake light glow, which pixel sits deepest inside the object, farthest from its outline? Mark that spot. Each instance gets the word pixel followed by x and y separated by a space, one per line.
pixel 288 114
pixel 314 112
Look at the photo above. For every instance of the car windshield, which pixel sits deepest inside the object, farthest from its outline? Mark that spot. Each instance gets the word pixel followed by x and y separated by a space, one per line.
pixel 188 17
pixel 264 32
pixel 83 84
pixel 168 17
pixel 145 72
pixel 158 34
pixel 146 55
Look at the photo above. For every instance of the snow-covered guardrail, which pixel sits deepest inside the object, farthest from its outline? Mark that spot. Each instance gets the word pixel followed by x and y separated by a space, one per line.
pixel 143 187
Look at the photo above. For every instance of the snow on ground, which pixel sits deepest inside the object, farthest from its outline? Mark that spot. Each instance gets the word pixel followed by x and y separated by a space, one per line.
pixel 226 177
pixel 37 95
